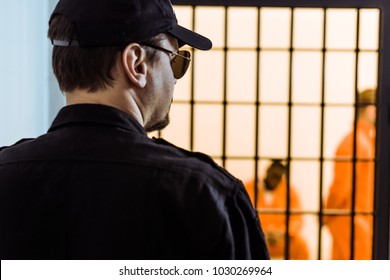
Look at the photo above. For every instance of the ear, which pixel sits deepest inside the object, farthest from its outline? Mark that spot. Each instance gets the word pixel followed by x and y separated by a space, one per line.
pixel 134 64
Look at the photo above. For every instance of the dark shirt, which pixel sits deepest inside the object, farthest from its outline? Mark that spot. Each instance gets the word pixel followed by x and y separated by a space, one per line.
pixel 96 187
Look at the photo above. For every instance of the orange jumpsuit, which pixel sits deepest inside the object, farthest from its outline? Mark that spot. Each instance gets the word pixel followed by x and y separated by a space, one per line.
pixel 340 194
pixel 276 223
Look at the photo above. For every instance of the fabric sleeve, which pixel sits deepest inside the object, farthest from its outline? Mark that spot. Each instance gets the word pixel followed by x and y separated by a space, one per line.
pixel 242 228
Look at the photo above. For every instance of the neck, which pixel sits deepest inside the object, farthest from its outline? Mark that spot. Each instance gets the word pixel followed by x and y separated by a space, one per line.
pixel 119 99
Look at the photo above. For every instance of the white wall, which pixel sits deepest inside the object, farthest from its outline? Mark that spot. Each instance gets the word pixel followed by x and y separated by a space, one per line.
pixel 25 69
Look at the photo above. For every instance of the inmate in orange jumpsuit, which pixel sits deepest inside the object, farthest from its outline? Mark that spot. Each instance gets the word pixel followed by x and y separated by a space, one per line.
pixel 274 225
pixel 340 194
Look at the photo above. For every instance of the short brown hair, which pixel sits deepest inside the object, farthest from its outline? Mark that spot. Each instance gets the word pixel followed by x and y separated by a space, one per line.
pixel 366 98
pixel 91 69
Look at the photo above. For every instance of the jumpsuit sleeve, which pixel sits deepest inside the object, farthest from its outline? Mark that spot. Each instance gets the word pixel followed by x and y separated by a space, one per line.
pixel 339 192
pixel 341 189
pixel 340 197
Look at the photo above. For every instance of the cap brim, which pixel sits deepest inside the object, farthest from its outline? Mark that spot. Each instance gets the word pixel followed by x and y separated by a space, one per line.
pixel 188 37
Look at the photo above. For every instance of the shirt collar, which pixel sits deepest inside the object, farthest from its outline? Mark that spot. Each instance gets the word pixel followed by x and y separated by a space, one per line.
pixel 95 114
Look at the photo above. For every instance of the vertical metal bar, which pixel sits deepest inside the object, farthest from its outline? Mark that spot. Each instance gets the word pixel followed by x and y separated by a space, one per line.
pixel 354 161
pixel 320 200
pixel 257 109
pixel 192 88
pixel 225 56
pixel 382 190
pixel 291 50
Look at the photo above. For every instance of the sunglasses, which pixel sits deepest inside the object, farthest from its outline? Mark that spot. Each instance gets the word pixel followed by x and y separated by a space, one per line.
pixel 179 62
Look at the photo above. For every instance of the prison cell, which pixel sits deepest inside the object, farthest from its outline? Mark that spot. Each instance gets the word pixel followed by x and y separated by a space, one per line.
pixel 281 82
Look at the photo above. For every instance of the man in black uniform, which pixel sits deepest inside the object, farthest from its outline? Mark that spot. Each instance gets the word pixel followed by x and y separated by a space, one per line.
pixel 95 186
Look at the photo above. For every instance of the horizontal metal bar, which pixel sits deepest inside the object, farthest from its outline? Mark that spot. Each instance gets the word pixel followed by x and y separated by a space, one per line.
pixel 309 159
pixel 276 104
pixel 287 3
pixel 332 212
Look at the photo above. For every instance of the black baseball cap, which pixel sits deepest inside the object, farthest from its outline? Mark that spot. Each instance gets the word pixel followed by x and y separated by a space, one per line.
pixel 117 22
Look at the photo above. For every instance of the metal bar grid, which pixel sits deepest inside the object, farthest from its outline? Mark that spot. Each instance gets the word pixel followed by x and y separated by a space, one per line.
pixel 381 231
